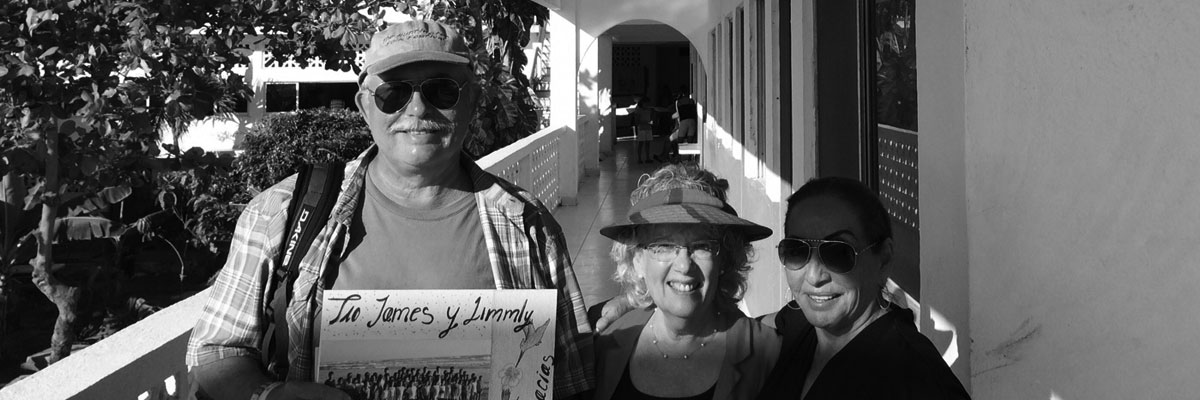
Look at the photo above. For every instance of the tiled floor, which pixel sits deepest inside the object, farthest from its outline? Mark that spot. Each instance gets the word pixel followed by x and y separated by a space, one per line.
pixel 603 201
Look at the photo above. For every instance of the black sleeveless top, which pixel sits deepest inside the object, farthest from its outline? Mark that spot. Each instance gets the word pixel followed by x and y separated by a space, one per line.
pixel 625 390
pixel 686 109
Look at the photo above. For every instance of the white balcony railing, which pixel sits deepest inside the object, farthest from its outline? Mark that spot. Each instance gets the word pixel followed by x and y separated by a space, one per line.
pixel 142 361
pixel 145 361
pixel 533 164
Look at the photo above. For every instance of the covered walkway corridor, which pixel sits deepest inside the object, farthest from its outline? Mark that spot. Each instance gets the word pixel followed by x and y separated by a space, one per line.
pixel 603 200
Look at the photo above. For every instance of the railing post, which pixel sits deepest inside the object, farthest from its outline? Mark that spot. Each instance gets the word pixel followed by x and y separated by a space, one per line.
pixel 184 387
pixel 568 166
pixel 525 165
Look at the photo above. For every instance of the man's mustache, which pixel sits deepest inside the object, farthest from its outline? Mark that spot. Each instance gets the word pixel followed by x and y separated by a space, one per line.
pixel 406 125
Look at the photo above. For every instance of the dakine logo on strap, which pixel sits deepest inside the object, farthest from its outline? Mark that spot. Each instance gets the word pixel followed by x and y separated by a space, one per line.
pixel 294 238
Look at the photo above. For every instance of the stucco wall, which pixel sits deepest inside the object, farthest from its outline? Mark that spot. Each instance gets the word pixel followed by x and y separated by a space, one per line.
pixel 945 308
pixel 1082 198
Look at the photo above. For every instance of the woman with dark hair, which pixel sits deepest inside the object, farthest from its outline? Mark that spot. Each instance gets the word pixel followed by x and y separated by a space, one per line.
pixel 843 337
pixel 682 261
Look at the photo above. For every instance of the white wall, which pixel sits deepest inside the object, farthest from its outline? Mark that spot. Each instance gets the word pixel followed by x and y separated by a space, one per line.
pixel 563 97
pixel 944 311
pixel 1083 198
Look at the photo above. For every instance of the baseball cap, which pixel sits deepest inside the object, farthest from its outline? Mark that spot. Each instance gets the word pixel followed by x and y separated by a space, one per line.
pixel 413 41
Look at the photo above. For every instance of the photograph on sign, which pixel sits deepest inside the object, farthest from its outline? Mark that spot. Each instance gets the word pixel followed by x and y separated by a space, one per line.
pixel 438 344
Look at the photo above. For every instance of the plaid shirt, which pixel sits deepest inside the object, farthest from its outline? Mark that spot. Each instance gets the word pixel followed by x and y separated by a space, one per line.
pixel 525 246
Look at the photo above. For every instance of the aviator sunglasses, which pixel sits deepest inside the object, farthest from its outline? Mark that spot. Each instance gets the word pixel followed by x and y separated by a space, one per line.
pixel 392 96
pixel 837 256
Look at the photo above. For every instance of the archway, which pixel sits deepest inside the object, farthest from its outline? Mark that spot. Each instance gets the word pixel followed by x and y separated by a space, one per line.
pixel 643 59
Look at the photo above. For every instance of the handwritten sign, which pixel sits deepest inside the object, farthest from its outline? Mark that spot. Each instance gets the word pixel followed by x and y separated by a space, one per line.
pixel 438 344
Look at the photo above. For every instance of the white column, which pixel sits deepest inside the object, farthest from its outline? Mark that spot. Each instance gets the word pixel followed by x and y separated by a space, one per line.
pixel 608 118
pixel 257 107
pixel 563 113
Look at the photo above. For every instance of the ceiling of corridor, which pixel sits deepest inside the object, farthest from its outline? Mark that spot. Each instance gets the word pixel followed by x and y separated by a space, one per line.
pixel 645 31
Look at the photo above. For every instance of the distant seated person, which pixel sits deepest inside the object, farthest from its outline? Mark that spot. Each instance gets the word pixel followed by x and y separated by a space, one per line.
pixel 682 261
pixel 686 125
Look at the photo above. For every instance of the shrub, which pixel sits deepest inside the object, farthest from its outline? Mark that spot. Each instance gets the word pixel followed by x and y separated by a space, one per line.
pixel 279 144
pixel 196 192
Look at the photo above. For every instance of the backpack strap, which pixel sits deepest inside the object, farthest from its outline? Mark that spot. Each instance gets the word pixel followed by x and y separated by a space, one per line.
pixel 312 201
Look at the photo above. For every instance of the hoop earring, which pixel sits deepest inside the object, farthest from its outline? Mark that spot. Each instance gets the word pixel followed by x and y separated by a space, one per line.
pixel 886 298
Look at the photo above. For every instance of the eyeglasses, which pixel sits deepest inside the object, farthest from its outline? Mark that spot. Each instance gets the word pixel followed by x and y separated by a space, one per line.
pixel 392 96
pixel 700 249
pixel 838 256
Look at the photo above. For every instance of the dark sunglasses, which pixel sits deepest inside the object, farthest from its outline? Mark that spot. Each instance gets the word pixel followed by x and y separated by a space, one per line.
pixel 837 256
pixel 392 96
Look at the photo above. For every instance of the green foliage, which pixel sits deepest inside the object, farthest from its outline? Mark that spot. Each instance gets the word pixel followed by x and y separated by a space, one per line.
pixel 201 190
pixel 896 64
pixel 86 87
pixel 278 145
pixel 105 77
pixel 308 31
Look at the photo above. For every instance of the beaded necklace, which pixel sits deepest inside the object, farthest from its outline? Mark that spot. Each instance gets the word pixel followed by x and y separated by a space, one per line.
pixel 703 342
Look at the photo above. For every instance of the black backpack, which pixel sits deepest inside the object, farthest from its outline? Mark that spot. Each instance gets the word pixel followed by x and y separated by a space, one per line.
pixel 312 200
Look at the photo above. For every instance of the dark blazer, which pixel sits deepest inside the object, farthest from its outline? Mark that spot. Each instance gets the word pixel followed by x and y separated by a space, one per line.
pixel 750 352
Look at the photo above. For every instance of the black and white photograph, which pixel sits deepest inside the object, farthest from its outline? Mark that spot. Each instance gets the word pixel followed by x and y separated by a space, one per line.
pixel 408 369
pixel 599 199
pixel 437 344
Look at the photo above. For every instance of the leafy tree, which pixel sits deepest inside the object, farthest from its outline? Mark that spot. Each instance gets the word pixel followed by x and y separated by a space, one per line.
pixel 278 145
pixel 85 88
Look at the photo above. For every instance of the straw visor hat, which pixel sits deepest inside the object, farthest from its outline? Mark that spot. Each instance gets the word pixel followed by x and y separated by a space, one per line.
pixel 686 206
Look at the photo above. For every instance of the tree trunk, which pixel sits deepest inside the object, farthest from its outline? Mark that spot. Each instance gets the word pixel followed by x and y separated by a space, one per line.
pixel 64 297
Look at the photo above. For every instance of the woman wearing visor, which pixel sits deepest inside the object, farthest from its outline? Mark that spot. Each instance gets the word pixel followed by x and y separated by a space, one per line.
pixel 843 338
pixel 682 260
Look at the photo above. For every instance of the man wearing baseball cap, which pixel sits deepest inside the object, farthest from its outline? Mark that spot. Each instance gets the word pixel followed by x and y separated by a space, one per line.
pixel 414 212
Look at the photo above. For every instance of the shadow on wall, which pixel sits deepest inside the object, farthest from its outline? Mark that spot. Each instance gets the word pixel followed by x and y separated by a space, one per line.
pixel 587 81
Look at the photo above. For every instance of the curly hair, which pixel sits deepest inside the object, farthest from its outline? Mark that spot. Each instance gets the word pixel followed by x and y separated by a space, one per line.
pixel 736 252
pixel 679 176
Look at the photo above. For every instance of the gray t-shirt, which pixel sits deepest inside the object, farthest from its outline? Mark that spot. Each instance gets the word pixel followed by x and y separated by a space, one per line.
pixel 395 247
